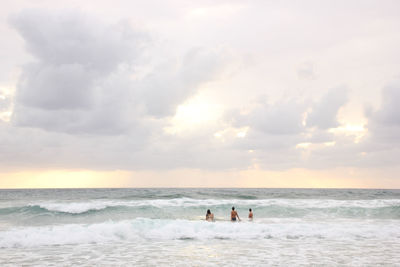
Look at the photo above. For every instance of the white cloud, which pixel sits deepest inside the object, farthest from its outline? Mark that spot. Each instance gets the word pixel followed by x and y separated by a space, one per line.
pixel 281 118
pixel 389 112
pixel 66 37
pixel 173 82
pixel 324 112
pixel 99 95
pixel 81 80
pixel 382 144
pixel 5 102
pixel 306 70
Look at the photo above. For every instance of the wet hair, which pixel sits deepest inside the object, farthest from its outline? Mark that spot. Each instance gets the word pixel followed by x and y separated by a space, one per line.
pixel 208 212
pixel 233 208
pixel 250 210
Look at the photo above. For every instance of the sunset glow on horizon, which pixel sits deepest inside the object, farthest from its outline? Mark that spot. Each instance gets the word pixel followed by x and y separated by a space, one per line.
pixel 254 178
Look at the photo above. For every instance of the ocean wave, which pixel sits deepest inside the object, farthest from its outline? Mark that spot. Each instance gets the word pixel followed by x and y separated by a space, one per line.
pixel 77 207
pixel 73 208
pixel 379 208
pixel 144 229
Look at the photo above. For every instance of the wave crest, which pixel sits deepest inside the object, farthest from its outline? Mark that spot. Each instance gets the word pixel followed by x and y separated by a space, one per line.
pixel 383 208
pixel 143 229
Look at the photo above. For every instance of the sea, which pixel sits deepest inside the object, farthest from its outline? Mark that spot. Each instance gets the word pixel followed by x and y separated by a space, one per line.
pixel 167 227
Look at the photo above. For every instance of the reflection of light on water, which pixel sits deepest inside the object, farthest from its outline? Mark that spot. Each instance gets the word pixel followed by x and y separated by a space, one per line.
pixel 200 252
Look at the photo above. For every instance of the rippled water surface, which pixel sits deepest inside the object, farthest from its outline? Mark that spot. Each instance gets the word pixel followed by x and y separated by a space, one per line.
pixel 167 227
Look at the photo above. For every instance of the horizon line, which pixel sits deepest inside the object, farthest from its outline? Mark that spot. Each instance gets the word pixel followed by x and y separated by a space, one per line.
pixel 183 187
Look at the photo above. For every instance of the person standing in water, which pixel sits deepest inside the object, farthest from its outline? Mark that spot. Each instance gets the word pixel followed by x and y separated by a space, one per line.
pixel 234 214
pixel 209 216
pixel 250 215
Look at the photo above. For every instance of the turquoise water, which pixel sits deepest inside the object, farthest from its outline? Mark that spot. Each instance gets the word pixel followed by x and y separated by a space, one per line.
pixel 167 226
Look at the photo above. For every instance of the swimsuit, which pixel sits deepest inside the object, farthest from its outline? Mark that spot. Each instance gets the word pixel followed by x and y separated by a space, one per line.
pixel 233 219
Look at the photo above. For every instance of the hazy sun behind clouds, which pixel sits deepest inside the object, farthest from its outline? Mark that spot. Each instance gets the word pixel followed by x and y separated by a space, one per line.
pixel 246 94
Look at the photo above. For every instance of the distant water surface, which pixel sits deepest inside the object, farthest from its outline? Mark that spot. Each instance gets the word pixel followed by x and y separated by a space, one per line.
pixel 144 227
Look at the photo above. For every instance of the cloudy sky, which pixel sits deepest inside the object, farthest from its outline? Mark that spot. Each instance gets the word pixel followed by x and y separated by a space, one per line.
pixel 200 93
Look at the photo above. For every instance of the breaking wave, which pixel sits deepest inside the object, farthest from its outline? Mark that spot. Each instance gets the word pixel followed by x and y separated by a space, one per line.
pixel 157 229
pixel 264 208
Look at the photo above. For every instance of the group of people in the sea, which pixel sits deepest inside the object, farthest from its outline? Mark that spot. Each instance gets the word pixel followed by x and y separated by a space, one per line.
pixel 234 215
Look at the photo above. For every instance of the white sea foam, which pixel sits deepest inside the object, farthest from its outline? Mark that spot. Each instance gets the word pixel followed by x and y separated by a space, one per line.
pixel 148 229
pixel 112 227
pixel 76 207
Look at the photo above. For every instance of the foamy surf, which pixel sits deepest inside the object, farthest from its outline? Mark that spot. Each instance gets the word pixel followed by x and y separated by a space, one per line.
pixel 144 227
pixel 154 229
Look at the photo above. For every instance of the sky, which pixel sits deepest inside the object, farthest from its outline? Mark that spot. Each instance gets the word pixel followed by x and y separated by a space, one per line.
pixel 199 94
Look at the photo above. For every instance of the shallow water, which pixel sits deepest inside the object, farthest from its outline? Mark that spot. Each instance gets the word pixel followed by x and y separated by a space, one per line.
pixel 166 227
